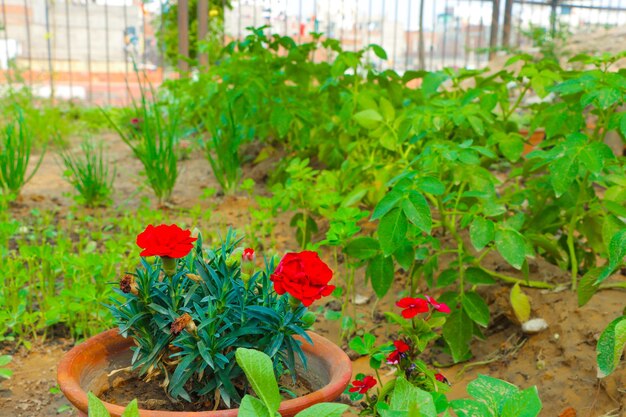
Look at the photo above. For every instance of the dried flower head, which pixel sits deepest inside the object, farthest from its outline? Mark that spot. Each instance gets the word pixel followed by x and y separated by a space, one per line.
pixel 182 322
pixel 128 284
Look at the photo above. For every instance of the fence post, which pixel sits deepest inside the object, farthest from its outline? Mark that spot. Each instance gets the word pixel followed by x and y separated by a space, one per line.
pixel 203 30
pixel 183 36
pixel 495 18
pixel 421 46
pixel 506 28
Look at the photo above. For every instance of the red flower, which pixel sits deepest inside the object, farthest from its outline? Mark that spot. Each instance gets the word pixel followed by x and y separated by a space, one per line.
pixel 395 356
pixel 163 240
pixel 248 254
pixel 303 275
pixel 441 307
pixel 439 377
pixel 363 386
pixel 412 307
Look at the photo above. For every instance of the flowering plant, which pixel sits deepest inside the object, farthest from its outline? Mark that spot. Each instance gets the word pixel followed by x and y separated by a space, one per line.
pixel 418 321
pixel 188 309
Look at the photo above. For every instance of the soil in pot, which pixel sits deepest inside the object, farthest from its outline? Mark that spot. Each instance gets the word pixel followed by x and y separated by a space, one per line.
pixel 126 386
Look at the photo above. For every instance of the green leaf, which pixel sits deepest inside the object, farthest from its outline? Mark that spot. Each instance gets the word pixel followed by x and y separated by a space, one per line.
pixel 563 172
pixel 610 346
pixel 379 51
pixel 389 201
pixel 392 231
pixel 369 119
pixel 252 407
pixel 482 232
pixel 477 276
pixel 380 271
pixel 363 345
pixel 511 147
pixel 617 251
pixel 417 211
pixel 259 371
pixel 131 410
pixel 492 392
pixel 362 248
pixel 405 256
pixel 95 406
pixel 470 408
pixel 324 410
pixel 430 185
pixel 5 360
pixel 6 373
pixel 520 304
pixel 524 403
pixel 512 246
pixel 407 397
pixel 476 308
pixel 389 113
pixel 587 286
pixel 457 332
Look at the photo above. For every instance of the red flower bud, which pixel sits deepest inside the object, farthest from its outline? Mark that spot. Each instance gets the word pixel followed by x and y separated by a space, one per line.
pixel 395 356
pixel 441 307
pixel 248 255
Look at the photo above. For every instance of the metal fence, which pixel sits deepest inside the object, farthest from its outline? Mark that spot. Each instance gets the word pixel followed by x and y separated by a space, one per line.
pixel 84 49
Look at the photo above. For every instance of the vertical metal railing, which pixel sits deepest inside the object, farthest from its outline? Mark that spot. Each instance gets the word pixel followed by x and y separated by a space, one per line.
pixel 89 44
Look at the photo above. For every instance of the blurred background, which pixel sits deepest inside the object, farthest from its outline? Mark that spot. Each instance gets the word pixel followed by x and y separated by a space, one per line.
pixel 85 50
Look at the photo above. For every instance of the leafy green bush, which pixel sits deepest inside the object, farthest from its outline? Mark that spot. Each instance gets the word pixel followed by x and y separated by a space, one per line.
pixel 90 175
pixel 16 143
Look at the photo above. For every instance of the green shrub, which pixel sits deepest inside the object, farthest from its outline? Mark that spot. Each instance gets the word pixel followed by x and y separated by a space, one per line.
pixel 16 143
pixel 90 175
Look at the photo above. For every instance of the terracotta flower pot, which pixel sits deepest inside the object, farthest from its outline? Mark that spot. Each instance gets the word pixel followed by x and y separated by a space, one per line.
pixel 85 368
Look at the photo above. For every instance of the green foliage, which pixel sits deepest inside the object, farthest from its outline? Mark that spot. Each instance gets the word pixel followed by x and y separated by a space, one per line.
pixel 152 134
pixel 226 312
pixel 495 398
pixel 90 175
pixel 4 372
pixel 97 409
pixel 16 143
pixel 611 346
pixel 258 369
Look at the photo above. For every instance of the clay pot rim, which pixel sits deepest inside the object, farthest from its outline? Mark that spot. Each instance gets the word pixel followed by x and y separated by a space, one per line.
pixel 73 362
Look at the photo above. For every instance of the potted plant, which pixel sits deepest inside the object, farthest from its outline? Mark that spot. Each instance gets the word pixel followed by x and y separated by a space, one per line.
pixel 184 313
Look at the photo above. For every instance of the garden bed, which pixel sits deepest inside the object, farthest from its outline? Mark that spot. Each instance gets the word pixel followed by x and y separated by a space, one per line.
pixel 559 360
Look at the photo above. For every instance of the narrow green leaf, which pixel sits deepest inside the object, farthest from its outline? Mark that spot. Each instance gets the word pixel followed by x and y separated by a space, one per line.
pixel 380 271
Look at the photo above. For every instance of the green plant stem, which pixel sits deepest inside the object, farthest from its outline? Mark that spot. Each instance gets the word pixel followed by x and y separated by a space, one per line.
pixel 512 280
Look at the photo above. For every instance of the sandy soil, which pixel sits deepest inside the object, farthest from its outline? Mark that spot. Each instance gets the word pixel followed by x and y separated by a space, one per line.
pixel 560 360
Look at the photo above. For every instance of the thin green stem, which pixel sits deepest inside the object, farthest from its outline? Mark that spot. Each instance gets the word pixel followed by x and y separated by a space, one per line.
pixel 512 280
